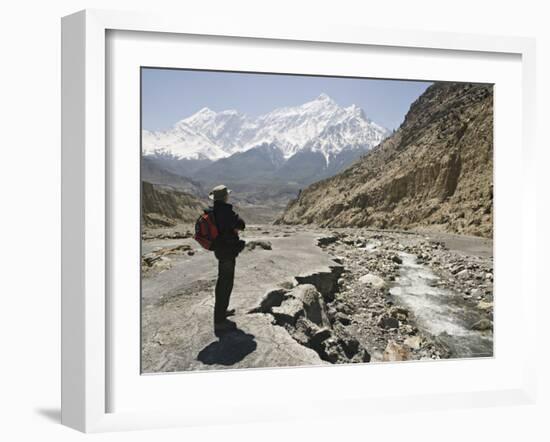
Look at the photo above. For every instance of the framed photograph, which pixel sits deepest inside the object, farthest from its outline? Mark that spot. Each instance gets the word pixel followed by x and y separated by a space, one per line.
pixel 328 214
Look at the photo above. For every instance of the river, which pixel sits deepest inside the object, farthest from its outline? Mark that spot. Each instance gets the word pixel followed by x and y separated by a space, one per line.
pixel 439 311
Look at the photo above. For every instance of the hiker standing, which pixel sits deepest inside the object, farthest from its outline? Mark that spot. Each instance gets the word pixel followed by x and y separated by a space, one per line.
pixel 227 246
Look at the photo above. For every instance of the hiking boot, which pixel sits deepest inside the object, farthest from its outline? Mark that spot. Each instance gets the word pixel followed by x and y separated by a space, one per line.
pixel 224 327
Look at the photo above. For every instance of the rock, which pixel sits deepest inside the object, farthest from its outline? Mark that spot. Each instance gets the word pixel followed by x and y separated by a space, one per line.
pixel 373 281
pixel 342 318
pixel 331 350
pixel 397 259
pixel 343 307
pixel 331 312
pixel 303 300
pixel 482 325
pixel 484 305
pixel 463 274
pixel 414 342
pixel 180 248
pixel 314 305
pixel 265 245
pixel 350 345
pixel 475 292
pixel 289 284
pixel 309 334
pixel 320 335
pixel 409 329
pixel 326 240
pixel 361 356
pixel 191 252
pixel 338 260
pixel 150 259
pixel 396 352
pixel 388 322
pixel 457 269
pixel 399 313
pixel 288 312
pixel 325 282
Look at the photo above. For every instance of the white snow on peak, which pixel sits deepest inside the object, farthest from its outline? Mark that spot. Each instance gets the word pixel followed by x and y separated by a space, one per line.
pixel 319 125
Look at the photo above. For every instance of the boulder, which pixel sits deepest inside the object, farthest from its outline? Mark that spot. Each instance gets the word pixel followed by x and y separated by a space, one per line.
pixel 413 342
pixel 388 322
pixel 265 245
pixel 350 345
pixel 397 259
pixel 312 303
pixel 326 240
pixel 373 280
pixel 288 312
pixel 318 336
pixel 396 352
pixel 303 300
pixel 331 351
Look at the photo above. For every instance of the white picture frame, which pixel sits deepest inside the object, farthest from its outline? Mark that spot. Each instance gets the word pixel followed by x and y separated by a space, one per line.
pixel 86 316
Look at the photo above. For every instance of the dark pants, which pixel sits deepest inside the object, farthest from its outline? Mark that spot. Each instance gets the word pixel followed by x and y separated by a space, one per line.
pixel 224 286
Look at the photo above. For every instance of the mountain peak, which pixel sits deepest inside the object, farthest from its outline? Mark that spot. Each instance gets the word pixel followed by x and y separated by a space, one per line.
pixel 356 111
pixel 203 116
pixel 205 111
pixel 324 97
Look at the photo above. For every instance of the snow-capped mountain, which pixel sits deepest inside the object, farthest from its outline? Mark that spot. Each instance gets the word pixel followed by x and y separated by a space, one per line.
pixel 319 126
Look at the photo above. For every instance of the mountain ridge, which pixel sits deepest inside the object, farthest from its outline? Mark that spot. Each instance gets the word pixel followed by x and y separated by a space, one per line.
pixel 435 171
pixel 214 135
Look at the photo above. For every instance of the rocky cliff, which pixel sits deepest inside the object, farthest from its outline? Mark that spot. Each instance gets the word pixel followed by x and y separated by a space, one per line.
pixel 164 206
pixel 435 171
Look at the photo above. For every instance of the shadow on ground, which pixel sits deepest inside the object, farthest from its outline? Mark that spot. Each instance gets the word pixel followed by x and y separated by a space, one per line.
pixel 232 347
pixel 51 414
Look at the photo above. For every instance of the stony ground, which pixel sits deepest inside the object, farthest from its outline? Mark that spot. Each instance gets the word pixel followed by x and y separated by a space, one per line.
pixel 309 296
pixel 365 305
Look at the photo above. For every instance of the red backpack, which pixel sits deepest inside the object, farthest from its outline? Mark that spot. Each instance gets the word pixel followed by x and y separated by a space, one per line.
pixel 206 230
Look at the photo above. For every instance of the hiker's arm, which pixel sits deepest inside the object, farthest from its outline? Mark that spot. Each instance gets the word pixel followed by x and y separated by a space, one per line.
pixel 239 223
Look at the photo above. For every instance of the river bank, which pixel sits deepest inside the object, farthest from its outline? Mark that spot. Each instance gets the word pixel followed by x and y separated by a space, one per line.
pixel 310 296
pixel 408 295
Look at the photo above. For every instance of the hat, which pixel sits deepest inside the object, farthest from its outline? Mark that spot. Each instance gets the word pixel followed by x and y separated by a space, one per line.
pixel 218 193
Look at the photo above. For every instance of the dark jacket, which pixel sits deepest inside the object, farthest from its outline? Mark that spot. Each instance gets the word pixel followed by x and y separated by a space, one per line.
pixel 229 223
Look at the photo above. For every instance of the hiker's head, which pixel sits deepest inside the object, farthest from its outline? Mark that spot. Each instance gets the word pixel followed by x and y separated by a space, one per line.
pixel 219 193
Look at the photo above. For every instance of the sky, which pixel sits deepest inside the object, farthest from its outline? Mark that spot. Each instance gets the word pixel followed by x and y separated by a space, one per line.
pixel 169 95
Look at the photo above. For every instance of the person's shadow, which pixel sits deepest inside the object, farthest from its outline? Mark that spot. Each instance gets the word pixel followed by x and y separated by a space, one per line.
pixel 232 347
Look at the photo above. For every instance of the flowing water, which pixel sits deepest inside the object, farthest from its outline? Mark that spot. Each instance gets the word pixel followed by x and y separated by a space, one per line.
pixel 440 312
